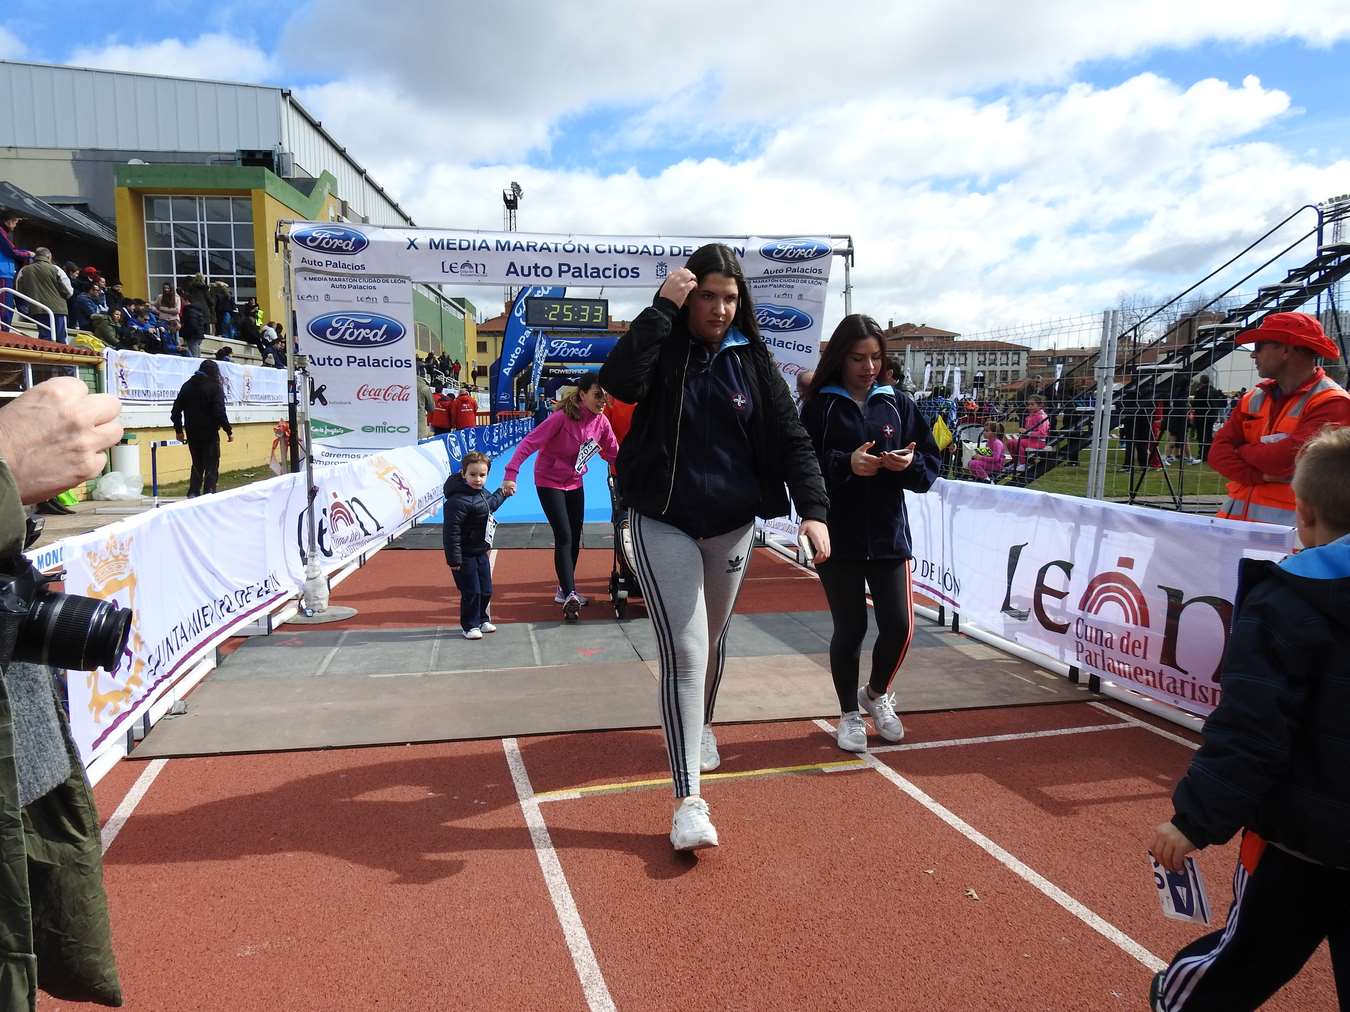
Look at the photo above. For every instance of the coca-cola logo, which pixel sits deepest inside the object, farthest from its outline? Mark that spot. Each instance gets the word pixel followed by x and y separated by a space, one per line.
pixel 392 392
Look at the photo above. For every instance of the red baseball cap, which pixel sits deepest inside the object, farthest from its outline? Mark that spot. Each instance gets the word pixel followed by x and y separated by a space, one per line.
pixel 1297 329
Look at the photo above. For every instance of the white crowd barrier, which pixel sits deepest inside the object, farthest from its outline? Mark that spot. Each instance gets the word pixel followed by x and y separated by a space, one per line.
pixel 199 571
pixel 1140 600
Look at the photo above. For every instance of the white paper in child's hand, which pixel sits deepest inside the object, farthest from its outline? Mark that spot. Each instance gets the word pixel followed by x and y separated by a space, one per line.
pixel 1182 896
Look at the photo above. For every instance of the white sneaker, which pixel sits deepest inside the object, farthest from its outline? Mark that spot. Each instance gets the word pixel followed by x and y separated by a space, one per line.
pixel 851 734
pixel 560 598
pixel 488 627
pixel 572 608
pixel 473 634
pixel 690 827
pixel 709 758
pixel 882 712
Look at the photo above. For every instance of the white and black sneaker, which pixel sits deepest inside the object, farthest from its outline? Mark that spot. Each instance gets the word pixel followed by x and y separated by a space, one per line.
pixel 572 608
pixel 560 598
pixel 690 827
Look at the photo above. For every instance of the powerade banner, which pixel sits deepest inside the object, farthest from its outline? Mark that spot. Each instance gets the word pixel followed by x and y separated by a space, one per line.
pixel 518 343
pixel 358 333
pixel 1141 598
pixel 788 277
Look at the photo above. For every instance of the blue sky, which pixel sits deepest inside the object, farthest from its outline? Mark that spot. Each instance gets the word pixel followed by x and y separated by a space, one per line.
pixel 994 163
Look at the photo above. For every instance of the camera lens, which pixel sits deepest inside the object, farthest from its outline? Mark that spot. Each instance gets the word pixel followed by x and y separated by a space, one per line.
pixel 69 631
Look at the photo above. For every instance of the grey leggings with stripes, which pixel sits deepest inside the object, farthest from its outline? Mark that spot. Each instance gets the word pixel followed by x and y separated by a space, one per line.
pixel 690 587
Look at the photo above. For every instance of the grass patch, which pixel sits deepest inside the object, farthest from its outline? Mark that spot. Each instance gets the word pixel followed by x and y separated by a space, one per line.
pixel 1192 479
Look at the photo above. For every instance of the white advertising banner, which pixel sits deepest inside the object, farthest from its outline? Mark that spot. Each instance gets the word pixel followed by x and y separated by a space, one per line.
pixel 194 571
pixel 788 277
pixel 358 333
pixel 138 378
pixel 1138 597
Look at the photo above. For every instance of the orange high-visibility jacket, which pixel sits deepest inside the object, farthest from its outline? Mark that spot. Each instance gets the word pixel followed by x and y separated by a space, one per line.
pixel 1262 438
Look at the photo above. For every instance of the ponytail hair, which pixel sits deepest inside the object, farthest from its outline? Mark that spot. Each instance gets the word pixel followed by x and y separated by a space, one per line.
pixel 570 403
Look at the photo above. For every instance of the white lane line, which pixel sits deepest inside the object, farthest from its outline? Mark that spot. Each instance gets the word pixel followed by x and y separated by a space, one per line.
pixel 534 646
pixel 435 648
pixel 1057 895
pixel 593 984
pixel 916 746
pixel 332 653
pixel 119 818
pixel 1136 722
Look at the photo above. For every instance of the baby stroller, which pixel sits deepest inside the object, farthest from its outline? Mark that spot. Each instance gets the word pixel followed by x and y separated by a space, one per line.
pixel 623 581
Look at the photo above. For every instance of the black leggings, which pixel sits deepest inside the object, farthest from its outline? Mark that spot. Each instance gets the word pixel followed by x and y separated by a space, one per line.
pixel 564 511
pixel 846 583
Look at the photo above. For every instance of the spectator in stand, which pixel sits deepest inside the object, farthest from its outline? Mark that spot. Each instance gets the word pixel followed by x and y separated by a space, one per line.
pixel 83 306
pixel 197 292
pixel 116 300
pixel 104 328
pixel 454 369
pixel 145 325
pixel 268 344
pixel 225 309
pixel 279 353
pixel 47 284
pixel 1295 400
pixel 12 258
pixel 169 308
pixel 1206 403
pixel 193 330
pixel 249 330
pixel 198 415
pixel 225 354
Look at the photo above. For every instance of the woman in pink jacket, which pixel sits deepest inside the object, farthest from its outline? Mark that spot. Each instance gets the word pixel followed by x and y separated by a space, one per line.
pixel 566 441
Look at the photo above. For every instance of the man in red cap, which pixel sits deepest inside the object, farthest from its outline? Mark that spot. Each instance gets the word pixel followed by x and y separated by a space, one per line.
pixel 1294 401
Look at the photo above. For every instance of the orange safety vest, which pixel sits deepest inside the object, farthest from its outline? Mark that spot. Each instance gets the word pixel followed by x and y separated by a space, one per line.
pixel 1273 502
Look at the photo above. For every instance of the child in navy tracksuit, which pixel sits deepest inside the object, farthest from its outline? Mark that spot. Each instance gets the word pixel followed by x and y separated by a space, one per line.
pixel 1275 764
pixel 467 535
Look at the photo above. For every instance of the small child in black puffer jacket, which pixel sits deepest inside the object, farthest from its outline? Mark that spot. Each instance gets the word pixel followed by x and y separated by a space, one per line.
pixel 467 535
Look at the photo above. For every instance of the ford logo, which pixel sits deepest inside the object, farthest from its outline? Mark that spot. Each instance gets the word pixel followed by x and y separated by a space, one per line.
pixel 336 239
pixel 355 330
pixel 782 319
pixel 794 251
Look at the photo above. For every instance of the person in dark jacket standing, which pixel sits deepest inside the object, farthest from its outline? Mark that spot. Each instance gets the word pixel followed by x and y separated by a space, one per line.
pixel 872 444
pixel 714 438
pixel 1275 763
pixel 199 410
pixel 466 534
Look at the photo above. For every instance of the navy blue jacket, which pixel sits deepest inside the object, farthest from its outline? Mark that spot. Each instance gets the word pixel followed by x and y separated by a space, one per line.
pixel 1276 756
pixel 867 517
pixel 467 510
pixel 651 366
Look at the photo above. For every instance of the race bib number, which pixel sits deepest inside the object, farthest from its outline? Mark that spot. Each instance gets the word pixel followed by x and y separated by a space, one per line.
pixel 1182 896
pixel 585 452
pixel 490 530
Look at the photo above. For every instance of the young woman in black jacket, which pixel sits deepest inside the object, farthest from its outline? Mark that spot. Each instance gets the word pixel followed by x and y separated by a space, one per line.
pixel 872 444
pixel 714 439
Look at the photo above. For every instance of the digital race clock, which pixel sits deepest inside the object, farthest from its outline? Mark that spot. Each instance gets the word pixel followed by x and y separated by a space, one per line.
pixel 570 314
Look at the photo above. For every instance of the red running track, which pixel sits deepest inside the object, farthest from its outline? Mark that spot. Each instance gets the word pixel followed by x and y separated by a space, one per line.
pixel 408 878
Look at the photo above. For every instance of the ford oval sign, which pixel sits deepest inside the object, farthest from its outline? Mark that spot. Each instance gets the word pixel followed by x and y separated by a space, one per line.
pixel 355 330
pixel 333 239
pixel 794 251
pixel 782 319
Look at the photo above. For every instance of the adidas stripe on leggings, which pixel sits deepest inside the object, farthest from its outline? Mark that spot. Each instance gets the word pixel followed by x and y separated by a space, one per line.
pixel 846 582
pixel 690 586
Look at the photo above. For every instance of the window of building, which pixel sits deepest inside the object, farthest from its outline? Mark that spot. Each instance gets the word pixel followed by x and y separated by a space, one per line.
pixel 200 235
pixel 482 347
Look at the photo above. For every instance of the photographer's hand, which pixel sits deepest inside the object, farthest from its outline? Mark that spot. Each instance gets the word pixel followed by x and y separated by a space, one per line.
pixel 53 436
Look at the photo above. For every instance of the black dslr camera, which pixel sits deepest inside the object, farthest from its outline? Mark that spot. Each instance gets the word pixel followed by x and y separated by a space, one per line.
pixel 59 630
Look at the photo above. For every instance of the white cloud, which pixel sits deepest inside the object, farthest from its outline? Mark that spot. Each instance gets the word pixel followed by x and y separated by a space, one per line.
pixel 211 56
pixel 11 46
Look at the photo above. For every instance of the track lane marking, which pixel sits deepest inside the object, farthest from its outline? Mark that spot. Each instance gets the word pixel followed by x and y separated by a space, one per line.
pixel 593 985
pixel 122 813
pixel 574 793
pixel 1136 722
pixel 1023 871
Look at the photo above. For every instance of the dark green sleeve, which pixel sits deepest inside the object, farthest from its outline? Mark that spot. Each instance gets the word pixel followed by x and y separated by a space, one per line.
pixel 12 517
